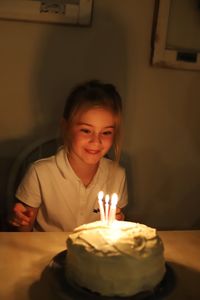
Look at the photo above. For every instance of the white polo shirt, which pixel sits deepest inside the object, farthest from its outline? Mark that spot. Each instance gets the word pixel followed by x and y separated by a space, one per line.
pixel 64 202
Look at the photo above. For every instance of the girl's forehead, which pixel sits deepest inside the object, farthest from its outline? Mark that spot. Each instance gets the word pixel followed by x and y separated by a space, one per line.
pixel 96 115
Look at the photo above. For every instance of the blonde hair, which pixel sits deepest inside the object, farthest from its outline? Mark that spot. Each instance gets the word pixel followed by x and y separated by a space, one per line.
pixel 92 94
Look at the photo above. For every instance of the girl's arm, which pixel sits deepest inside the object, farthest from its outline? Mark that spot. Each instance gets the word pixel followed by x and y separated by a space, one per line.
pixel 23 217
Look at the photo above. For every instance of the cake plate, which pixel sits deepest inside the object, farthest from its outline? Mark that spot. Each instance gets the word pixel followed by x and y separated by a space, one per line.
pixel 66 290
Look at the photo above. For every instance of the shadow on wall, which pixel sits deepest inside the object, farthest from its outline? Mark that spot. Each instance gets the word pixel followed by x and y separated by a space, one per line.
pixel 191 119
pixel 169 193
pixel 128 163
pixel 66 56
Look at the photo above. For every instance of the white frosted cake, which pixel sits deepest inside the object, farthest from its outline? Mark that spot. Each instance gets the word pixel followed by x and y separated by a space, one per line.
pixel 118 260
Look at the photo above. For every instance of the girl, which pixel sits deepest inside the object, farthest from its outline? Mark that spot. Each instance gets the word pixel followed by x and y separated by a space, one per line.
pixel 59 193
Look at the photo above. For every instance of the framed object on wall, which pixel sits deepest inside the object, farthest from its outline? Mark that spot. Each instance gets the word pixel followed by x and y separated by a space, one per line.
pixel 176 34
pixel 75 12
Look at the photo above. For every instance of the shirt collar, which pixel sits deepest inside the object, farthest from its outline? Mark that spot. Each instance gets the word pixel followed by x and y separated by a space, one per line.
pixel 66 170
pixel 64 165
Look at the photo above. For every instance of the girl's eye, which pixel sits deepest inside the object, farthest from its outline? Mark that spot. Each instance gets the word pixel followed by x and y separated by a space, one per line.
pixel 85 130
pixel 107 132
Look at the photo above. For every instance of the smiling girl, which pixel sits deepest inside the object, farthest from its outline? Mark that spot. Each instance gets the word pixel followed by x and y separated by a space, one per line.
pixel 59 193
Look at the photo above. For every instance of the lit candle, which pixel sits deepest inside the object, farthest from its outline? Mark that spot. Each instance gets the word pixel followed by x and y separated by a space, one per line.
pixel 100 201
pixel 107 206
pixel 112 212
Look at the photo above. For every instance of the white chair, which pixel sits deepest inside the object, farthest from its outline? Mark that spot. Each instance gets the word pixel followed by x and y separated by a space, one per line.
pixel 39 149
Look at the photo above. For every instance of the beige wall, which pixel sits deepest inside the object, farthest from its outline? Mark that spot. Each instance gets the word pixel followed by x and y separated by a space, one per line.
pixel 161 152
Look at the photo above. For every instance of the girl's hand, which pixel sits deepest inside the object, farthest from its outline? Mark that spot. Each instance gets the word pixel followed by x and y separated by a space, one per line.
pixel 119 214
pixel 23 217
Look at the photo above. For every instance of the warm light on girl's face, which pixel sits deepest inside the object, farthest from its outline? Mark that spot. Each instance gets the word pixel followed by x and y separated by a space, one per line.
pixel 92 135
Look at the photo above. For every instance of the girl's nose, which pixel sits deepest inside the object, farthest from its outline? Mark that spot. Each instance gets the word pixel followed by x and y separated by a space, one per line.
pixel 95 138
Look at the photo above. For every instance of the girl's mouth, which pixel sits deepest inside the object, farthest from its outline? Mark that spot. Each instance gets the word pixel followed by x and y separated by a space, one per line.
pixel 90 151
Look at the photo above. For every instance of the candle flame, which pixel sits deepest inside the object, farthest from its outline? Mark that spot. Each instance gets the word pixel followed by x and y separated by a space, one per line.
pixel 108 215
pixel 100 195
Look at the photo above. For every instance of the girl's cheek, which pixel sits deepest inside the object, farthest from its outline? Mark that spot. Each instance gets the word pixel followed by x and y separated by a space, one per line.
pixel 110 139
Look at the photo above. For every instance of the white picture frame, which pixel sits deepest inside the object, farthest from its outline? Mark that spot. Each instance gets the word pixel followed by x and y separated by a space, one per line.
pixel 74 12
pixel 174 55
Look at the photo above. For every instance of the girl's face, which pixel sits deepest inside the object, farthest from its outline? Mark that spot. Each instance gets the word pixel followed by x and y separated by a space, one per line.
pixel 92 135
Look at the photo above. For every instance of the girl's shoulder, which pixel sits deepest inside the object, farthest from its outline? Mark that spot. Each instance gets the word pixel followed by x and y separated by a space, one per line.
pixel 43 162
pixel 54 163
pixel 50 160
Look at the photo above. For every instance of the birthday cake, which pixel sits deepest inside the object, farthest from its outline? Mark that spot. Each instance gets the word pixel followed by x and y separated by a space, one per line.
pixel 117 259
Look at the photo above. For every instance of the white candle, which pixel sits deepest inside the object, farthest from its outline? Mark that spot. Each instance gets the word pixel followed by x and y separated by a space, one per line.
pixel 107 206
pixel 112 212
pixel 100 201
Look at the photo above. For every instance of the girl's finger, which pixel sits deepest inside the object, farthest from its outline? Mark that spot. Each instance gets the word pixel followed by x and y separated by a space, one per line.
pixel 22 217
pixel 14 223
pixel 20 221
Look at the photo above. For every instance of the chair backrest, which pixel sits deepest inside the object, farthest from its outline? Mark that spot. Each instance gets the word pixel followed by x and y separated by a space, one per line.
pixel 39 149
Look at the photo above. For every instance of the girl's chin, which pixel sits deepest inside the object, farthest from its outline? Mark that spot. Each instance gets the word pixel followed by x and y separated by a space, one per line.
pixel 91 160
